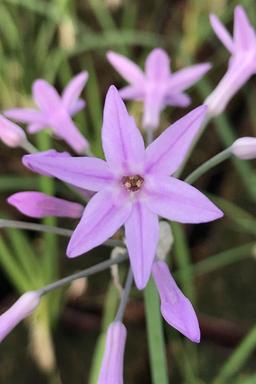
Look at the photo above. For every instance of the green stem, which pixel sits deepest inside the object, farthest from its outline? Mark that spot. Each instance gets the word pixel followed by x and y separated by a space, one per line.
pixel 238 358
pixel 85 273
pixel 158 363
pixel 205 167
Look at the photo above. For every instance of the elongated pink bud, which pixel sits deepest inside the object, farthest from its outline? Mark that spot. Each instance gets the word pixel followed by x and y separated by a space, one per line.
pixel 176 309
pixel 112 365
pixel 11 134
pixel 38 204
pixel 22 308
pixel 244 148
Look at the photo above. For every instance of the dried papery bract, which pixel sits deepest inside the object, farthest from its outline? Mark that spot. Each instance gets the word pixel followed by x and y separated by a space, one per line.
pixel 22 308
pixel 112 365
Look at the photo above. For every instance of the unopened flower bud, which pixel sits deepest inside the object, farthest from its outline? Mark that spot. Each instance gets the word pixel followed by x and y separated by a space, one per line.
pixel 112 366
pixel 244 148
pixel 22 308
pixel 11 134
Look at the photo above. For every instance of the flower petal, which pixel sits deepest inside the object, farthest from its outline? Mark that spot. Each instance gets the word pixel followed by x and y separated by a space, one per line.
pixel 178 100
pixel 22 308
pixel 222 33
pixel 51 153
pixel 73 90
pixel 183 79
pixel 84 172
pixel 38 204
pixel 65 128
pixel 157 65
pixel 178 201
pixel 132 92
pixel 127 68
pixel 103 216
pixel 111 371
pixel 46 97
pixel 176 309
pixel 77 107
pixel 244 34
pixel 25 115
pixel 142 233
pixel 36 127
pixel 122 141
pixel 167 152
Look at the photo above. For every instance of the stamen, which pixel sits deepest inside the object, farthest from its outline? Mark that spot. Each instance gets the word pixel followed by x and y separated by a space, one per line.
pixel 132 183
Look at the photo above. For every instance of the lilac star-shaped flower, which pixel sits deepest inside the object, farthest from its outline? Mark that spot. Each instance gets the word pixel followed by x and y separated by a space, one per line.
pixel 55 111
pixel 133 185
pixel 242 64
pixel 157 87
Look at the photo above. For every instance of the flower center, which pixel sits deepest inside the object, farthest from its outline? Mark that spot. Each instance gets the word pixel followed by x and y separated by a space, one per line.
pixel 132 183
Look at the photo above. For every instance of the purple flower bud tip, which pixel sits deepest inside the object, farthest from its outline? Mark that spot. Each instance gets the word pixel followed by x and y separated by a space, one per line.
pixel 112 366
pixel 11 134
pixel 176 309
pixel 244 148
pixel 22 308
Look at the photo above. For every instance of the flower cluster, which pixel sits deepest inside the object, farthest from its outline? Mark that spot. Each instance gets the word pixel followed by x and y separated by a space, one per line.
pixel 135 185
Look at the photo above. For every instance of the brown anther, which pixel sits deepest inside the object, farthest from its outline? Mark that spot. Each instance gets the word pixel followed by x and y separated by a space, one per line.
pixel 132 183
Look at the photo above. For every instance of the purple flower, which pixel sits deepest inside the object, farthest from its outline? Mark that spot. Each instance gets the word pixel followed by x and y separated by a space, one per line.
pixel 244 148
pixel 176 309
pixel 11 134
pixel 133 185
pixel 112 366
pixel 38 205
pixel 55 111
pixel 157 87
pixel 242 64
pixel 23 307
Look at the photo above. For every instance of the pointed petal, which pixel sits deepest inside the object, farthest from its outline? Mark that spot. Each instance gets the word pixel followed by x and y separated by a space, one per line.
pixel 222 33
pixel 84 172
pixel 178 201
pixel 157 66
pixel 142 233
pixel 130 71
pixel 122 142
pixel 178 100
pixel 77 107
pixel 38 204
pixel 132 92
pixel 168 151
pixel 35 127
pixel 51 153
pixel 185 78
pixel 73 90
pixel 25 115
pixel 105 213
pixel 65 128
pixel 111 371
pixel 153 105
pixel 244 34
pixel 176 309
pixel 46 97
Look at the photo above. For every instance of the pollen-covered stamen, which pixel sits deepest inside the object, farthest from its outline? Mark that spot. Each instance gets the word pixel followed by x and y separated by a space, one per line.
pixel 132 183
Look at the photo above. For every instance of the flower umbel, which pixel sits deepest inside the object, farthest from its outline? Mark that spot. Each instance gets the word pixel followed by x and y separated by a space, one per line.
pixel 133 185
pixel 157 87
pixel 55 111
pixel 242 64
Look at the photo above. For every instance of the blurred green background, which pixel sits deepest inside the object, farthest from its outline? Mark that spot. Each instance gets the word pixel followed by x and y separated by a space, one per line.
pixel 214 263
